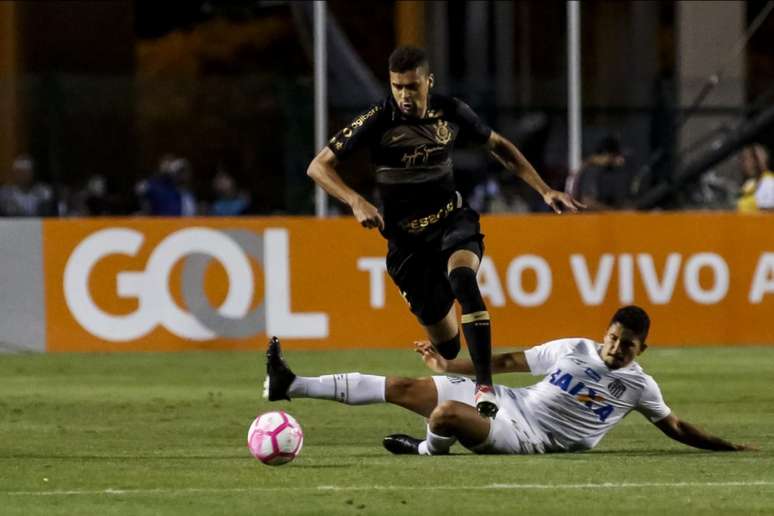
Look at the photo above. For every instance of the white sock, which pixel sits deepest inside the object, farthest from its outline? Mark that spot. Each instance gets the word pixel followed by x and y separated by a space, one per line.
pixel 348 388
pixel 435 444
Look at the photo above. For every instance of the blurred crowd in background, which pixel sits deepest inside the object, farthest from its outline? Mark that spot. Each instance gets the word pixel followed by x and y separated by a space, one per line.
pixel 605 181
pixel 205 107
pixel 166 191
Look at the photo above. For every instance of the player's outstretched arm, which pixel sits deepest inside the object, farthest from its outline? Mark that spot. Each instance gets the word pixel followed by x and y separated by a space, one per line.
pixel 512 159
pixel 322 170
pixel 686 433
pixel 501 363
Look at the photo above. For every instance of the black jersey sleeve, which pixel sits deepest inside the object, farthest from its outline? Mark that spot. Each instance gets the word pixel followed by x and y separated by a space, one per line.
pixel 360 131
pixel 473 129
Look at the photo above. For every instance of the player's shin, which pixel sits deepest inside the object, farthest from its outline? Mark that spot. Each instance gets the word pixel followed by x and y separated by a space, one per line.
pixel 347 388
pixel 478 335
pixel 475 322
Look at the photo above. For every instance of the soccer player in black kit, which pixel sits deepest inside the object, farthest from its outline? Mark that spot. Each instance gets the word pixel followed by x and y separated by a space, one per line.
pixel 434 239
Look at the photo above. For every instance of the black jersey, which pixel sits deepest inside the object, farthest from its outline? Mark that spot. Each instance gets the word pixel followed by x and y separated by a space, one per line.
pixel 412 157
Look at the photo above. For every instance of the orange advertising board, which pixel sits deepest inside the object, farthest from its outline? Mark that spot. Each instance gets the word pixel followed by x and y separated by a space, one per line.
pixel 205 283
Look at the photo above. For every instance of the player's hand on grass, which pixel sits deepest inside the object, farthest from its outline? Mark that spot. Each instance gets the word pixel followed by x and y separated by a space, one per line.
pixel 746 447
pixel 367 214
pixel 560 201
pixel 431 357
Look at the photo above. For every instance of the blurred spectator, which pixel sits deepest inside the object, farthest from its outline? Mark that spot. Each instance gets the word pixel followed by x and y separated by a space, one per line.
pixel 229 201
pixel 23 196
pixel 183 174
pixel 168 193
pixel 158 195
pixel 604 180
pixel 712 190
pixel 757 191
pixel 93 199
pixel 488 197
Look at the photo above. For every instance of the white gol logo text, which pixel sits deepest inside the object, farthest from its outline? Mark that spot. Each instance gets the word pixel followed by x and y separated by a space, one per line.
pixel 156 304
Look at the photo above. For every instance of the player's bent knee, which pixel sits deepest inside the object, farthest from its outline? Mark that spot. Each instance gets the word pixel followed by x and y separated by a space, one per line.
pixel 462 280
pixel 446 417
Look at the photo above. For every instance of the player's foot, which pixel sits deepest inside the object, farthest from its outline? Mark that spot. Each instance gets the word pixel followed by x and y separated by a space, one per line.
pixel 486 402
pixel 401 444
pixel 278 374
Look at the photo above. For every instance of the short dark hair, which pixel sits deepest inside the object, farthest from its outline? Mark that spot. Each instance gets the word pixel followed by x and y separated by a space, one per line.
pixel 407 58
pixel 633 318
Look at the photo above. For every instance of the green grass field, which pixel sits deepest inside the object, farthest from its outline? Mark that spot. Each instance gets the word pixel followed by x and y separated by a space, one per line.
pixel 165 434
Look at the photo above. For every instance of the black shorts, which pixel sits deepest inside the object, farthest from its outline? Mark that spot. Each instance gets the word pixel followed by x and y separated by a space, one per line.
pixel 419 266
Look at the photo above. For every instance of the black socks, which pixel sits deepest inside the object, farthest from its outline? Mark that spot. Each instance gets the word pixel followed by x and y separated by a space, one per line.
pixel 475 322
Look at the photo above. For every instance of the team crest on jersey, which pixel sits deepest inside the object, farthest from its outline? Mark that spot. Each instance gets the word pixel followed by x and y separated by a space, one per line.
pixel 443 134
pixel 616 388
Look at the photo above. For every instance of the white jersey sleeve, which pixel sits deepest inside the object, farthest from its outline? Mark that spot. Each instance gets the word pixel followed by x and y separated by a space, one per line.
pixel 541 359
pixel 651 404
pixel 764 194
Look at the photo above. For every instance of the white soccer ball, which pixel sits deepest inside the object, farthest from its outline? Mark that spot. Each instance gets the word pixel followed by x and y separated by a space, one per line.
pixel 275 438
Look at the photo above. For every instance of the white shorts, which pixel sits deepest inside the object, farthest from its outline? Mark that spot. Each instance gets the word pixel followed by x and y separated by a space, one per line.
pixel 510 432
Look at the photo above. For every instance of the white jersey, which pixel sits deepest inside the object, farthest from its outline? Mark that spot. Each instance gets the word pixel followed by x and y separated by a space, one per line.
pixel 764 191
pixel 580 399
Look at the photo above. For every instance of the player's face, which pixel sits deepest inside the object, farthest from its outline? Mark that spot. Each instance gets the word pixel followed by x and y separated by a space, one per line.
pixel 620 347
pixel 410 90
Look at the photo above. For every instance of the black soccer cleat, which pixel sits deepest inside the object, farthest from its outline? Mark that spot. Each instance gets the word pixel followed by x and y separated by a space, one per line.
pixel 278 374
pixel 402 444
pixel 486 409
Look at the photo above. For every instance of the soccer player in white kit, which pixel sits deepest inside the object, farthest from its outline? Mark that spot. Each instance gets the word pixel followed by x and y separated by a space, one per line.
pixel 586 389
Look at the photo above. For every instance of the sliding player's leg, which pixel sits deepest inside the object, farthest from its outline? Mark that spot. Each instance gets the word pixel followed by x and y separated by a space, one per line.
pixel 415 394
pixel 453 418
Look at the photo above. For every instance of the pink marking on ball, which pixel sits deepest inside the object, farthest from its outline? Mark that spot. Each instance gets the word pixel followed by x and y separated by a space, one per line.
pixel 284 416
pixel 255 442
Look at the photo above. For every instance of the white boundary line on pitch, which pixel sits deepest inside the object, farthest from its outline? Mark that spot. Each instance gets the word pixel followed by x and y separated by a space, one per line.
pixel 604 485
